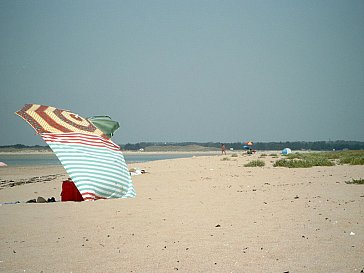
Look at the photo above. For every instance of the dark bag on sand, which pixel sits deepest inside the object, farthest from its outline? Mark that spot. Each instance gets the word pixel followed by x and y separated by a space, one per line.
pixel 70 192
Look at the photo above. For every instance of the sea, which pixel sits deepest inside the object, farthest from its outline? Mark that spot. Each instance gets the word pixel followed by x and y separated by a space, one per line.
pixel 51 159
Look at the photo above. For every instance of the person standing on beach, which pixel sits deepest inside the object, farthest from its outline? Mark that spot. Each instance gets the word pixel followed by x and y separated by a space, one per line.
pixel 223 150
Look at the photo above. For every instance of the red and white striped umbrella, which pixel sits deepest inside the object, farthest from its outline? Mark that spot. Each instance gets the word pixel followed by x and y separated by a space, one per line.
pixel 95 164
pixel 48 119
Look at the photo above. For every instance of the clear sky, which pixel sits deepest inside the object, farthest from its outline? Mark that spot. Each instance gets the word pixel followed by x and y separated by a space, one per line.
pixel 224 71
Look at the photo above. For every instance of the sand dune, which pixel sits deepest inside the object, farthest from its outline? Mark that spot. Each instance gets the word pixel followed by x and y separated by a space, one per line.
pixel 201 214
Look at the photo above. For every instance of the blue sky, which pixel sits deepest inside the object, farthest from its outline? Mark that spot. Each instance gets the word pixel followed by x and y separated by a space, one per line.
pixel 187 70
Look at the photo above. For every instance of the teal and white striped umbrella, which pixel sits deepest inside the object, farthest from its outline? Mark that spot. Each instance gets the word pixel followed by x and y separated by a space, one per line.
pixel 95 164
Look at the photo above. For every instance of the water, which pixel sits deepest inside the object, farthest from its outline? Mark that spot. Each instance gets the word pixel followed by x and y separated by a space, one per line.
pixel 29 160
pixel 51 159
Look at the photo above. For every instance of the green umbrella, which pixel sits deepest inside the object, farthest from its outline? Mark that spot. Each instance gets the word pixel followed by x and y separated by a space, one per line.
pixel 105 124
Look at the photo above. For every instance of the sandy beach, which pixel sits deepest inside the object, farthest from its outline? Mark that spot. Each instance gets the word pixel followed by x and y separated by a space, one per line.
pixel 200 214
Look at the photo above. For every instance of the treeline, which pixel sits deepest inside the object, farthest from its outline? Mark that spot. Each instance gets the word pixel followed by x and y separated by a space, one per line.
pixel 25 147
pixel 295 145
pixel 144 145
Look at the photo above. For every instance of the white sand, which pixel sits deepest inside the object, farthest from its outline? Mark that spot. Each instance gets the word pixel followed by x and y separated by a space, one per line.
pixel 198 214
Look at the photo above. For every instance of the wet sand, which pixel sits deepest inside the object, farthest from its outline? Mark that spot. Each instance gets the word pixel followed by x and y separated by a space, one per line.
pixel 201 214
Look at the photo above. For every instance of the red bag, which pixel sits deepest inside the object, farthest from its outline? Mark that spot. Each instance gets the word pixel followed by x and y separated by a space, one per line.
pixel 70 192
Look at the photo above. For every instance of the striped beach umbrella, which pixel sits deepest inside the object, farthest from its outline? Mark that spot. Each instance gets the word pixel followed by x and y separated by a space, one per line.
pixel 95 164
pixel 48 119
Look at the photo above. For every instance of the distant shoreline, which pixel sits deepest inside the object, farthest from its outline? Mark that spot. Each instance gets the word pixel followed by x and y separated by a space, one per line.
pixel 132 152
pixel 31 152
pixel 25 152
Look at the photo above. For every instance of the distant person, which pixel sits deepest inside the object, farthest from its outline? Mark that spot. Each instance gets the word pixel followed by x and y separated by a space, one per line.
pixel 223 149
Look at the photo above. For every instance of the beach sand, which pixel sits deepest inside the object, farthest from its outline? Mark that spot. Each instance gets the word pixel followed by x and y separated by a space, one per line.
pixel 201 214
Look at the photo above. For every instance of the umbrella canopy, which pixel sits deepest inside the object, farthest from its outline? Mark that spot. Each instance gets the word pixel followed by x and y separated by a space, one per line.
pixel 2 164
pixel 95 163
pixel 105 124
pixel 286 151
pixel 48 119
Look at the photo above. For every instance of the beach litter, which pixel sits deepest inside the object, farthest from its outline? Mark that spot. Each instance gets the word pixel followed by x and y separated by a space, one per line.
pixel 38 200
pixel 2 164
pixel 136 171
pixel 41 199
